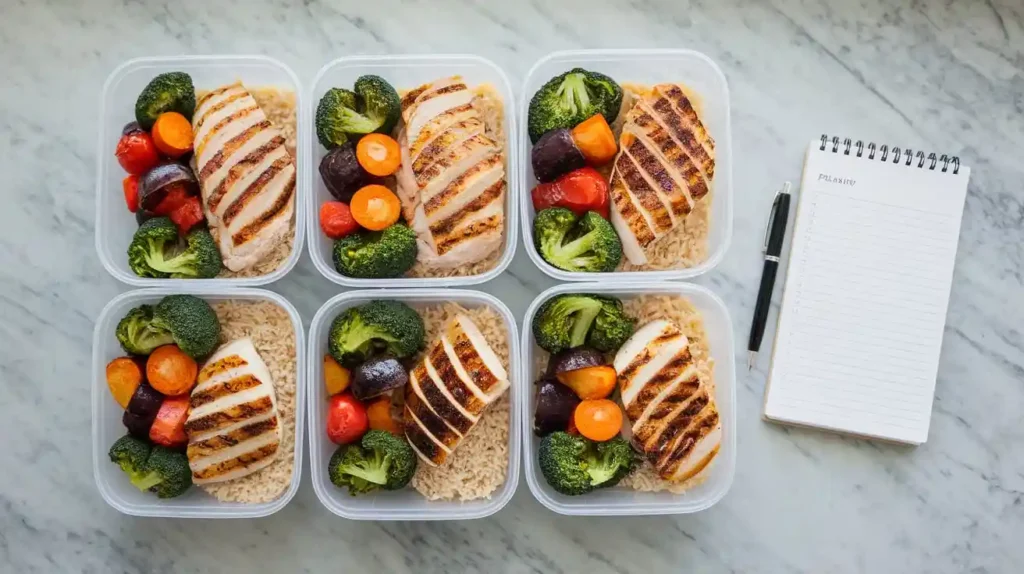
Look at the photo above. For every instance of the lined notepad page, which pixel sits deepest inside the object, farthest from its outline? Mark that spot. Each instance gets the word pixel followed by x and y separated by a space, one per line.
pixel 865 298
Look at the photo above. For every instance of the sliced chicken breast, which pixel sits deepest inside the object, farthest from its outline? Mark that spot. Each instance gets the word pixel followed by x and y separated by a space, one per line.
pixel 452 179
pixel 246 175
pixel 232 425
pixel 449 390
pixel 665 164
pixel 672 413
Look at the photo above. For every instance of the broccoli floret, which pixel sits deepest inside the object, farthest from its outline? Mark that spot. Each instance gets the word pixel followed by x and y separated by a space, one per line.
pixel 563 321
pixel 611 326
pixel 170 92
pixel 572 243
pixel 136 333
pixel 376 254
pixel 342 114
pixel 380 460
pixel 378 326
pixel 566 100
pixel 166 473
pixel 574 465
pixel 191 322
pixel 156 252
pixel 131 453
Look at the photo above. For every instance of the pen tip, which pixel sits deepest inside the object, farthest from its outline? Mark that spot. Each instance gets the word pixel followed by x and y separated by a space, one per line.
pixel 751 359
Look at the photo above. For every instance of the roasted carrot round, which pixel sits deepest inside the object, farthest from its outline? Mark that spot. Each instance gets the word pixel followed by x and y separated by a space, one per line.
pixel 379 413
pixel 375 207
pixel 171 371
pixel 123 376
pixel 595 139
pixel 378 154
pixel 172 134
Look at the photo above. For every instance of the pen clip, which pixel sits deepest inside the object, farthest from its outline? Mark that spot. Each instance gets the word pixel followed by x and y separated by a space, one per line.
pixel 768 224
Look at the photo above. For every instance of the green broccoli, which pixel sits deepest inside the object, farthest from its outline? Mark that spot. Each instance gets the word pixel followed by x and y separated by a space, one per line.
pixel 136 333
pixel 131 453
pixel 170 92
pixel 574 465
pixel 376 254
pixel 380 460
pixel 156 252
pixel 191 321
pixel 185 320
pixel 572 243
pixel 566 100
pixel 571 320
pixel 389 326
pixel 342 114
pixel 166 473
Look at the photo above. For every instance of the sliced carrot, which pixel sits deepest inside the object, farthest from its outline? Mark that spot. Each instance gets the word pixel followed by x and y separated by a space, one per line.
pixel 379 413
pixel 375 207
pixel 595 139
pixel 171 371
pixel 172 134
pixel 336 377
pixel 123 377
pixel 169 426
pixel 378 154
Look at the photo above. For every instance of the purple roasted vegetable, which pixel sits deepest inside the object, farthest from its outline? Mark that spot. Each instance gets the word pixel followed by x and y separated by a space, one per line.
pixel 341 172
pixel 157 182
pixel 555 405
pixel 555 154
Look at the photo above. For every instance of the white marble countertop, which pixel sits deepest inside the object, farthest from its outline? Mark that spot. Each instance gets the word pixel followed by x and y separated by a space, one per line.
pixel 947 76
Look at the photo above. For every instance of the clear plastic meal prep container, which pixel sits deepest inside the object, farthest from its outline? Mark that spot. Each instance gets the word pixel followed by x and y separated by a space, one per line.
pixel 619 501
pixel 406 72
pixel 115 225
pixel 112 483
pixel 693 70
pixel 405 504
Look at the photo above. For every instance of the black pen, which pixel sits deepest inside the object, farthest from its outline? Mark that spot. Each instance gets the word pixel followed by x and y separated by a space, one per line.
pixel 774 233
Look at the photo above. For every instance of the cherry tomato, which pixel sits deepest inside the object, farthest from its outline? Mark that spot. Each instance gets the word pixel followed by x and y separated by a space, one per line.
pixel 347 421
pixel 136 152
pixel 580 190
pixel 598 419
pixel 130 185
pixel 175 196
pixel 336 220
pixel 187 215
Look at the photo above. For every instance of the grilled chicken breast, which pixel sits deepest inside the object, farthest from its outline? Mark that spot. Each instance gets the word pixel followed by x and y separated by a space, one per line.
pixel 452 179
pixel 449 389
pixel 246 175
pixel 666 163
pixel 232 426
pixel 672 412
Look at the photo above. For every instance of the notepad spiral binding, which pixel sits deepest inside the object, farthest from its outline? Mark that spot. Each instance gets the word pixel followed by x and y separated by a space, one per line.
pixel 906 155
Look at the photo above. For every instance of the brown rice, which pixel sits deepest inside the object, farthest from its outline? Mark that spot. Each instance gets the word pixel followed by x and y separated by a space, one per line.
pixel 279 106
pixel 687 244
pixel 273 335
pixel 478 466
pixel 681 312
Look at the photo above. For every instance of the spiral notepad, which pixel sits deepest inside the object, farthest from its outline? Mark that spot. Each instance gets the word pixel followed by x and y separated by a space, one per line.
pixel 864 303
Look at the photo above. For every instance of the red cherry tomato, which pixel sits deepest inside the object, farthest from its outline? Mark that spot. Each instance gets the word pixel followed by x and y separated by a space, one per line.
pixel 347 421
pixel 175 196
pixel 187 215
pixel 580 190
pixel 131 192
pixel 336 220
pixel 136 152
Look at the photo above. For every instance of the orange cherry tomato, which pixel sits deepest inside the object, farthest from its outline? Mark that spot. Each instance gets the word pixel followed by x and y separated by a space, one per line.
pixel 598 419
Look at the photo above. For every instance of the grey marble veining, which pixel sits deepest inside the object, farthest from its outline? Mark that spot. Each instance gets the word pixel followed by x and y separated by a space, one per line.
pixel 947 76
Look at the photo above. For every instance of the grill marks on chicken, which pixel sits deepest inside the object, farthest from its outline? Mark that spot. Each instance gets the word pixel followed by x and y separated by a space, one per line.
pixel 452 179
pixel 232 426
pixel 665 164
pixel 246 175
pixel 672 413
pixel 449 389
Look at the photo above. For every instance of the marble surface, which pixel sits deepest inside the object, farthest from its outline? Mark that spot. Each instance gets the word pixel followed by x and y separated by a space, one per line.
pixel 936 75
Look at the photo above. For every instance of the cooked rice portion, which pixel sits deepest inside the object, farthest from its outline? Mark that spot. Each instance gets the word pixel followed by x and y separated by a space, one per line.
pixel 687 244
pixel 271 331
pixel 479 465
pixel 279 106
pixel 488 102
